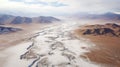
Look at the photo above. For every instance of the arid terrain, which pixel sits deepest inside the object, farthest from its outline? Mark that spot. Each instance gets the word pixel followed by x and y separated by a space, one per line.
pixel 107 45
pixel 59 33
pixel 10 39
pixel 27 31
pixel 52 46
pixel 71 44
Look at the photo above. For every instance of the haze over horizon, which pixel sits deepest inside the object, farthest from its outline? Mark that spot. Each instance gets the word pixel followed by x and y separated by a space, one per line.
pixel 57 7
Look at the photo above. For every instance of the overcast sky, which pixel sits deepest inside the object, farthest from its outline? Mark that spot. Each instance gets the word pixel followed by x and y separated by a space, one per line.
pixel 57 7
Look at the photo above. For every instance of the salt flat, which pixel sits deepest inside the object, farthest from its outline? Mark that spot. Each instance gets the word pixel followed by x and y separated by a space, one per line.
pixel 53 46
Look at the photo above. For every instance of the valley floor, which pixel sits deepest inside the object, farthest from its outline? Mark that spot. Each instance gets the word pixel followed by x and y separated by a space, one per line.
pixel 55 46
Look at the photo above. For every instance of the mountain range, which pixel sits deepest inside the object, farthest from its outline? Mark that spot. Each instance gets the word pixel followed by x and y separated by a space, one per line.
pixel 105 16
pixel 10 19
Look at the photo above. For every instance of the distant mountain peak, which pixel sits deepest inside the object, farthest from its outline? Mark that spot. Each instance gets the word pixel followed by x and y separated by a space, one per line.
pixel 105 16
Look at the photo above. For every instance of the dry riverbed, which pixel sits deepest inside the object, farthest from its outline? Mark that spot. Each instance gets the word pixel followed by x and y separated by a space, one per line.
pixel 55 46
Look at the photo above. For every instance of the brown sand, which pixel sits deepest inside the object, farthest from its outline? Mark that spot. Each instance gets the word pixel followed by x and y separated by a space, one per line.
pixel 11 39
pixel 106 51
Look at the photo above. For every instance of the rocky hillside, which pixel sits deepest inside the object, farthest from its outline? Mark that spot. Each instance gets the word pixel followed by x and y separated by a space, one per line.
pixel 107 30
pixel 9 19
pixel 5 30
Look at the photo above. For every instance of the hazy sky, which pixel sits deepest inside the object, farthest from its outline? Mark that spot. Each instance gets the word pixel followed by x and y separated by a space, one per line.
pixel 57 7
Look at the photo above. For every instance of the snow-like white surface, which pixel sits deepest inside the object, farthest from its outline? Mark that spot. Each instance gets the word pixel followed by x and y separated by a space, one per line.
pixel 54 46
pixel 14 56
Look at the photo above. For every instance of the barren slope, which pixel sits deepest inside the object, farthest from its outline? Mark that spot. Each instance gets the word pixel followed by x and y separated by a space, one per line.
pixel 107 49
